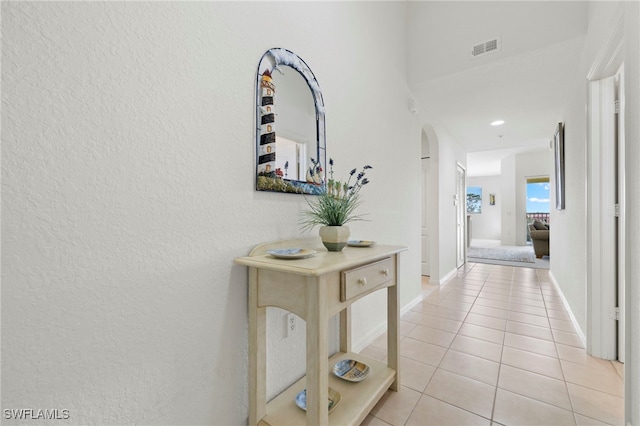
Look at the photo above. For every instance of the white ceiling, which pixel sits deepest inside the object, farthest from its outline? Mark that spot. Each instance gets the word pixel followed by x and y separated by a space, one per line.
pixel 525 83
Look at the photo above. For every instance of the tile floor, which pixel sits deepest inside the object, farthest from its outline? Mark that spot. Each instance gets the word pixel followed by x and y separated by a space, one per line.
pixel 495 346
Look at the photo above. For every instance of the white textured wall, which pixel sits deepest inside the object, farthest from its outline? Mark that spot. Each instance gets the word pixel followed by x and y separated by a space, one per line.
pixel 487 225
pixel 568 261
pixel 508 212
pixel 632 261
pixel 128 189
pixel 568 243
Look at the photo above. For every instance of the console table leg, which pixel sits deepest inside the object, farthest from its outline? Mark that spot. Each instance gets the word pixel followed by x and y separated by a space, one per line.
pixel 393 327
pixel 317 353
pixel 345 329
pixel 257 353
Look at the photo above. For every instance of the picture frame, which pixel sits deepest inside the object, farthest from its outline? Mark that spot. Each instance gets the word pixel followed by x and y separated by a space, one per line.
pixel 558 144
pixel 492 199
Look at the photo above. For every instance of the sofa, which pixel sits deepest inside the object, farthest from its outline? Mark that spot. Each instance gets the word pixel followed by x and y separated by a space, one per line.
pixel 539 232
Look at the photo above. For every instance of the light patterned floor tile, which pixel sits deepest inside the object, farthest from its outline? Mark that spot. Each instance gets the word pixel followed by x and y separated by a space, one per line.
pixel 415 375
pixel 421 351
pixel 491 312
pixel 396 407
pixel 570 339
pixel 515 372
pixel 471 366
pixel 431 411
pixel 432 335
pixel 514 409
pixel 535 386
pixel 597 405
pixel 531 344
pixel 483 333
pixel 462 392
pixel 529 319
pixel 532 362
pixel 528 309
pixel 529 330
pixel 601 379
pixel 562 325
pixel 371 420
pixel 477 347
pixel 487 321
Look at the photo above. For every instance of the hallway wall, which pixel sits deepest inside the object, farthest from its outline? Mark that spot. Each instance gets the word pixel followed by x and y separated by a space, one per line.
pixel 568 243
pixel 450 154
pixel 487 225
pixel 128 189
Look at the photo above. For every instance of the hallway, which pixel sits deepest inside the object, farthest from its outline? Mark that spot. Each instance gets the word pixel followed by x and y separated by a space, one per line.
pixel 494 345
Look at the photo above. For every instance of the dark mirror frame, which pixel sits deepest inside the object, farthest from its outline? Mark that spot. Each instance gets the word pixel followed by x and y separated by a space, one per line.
pixel 266 113
pixel 558 142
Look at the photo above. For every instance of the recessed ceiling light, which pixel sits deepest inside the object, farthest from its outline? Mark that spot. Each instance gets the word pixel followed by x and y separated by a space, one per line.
pixel 497 123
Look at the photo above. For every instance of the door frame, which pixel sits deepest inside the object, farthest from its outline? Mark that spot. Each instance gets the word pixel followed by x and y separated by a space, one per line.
pixel 602 330
pixel 461 215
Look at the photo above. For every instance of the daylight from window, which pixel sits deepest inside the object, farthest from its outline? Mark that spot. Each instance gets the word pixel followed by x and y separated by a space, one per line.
pixel 538 197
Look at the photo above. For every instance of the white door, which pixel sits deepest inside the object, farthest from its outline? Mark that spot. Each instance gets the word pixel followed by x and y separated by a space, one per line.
pixel 427 205
pixel 461 214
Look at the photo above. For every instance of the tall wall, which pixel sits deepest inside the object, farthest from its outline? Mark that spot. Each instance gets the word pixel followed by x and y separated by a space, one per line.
pixel 508 222
pixel 632 244
pixel 487 225
pixel 568 243
pixel 128 190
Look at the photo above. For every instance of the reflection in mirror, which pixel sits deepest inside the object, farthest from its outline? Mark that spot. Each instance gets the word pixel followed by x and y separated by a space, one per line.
pixel 290 133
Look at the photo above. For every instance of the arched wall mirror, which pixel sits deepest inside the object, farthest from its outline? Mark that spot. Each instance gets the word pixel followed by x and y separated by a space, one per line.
pixel 290 126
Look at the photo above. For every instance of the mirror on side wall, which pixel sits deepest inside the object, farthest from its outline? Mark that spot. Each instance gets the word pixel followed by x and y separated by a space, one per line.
pixel 290 126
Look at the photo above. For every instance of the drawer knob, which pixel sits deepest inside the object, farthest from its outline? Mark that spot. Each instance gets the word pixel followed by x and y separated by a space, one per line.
pixel 362 281
pixel 385 272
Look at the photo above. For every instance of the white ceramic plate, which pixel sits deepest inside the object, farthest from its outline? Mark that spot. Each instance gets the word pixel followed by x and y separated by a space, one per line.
pixel 334 399
pixel 351 370
pixel 360 243
pixel 292 253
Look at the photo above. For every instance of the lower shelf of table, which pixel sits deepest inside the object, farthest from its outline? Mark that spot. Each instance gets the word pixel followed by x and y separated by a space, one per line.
pixel 358 398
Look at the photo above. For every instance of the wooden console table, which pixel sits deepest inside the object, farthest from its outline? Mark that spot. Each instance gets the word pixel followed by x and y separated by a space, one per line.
pixel 316 289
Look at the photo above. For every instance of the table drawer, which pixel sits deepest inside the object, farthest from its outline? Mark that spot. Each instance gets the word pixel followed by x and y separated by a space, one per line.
pixel 355 282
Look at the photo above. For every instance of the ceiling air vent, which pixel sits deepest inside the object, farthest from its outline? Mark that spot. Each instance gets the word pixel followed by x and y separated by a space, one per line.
pixel 490 46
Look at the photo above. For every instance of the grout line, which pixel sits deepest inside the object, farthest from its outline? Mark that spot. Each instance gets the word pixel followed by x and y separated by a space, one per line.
pixel 484 276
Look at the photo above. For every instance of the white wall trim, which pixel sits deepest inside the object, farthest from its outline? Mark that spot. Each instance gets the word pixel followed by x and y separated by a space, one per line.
pixel 611 56
pixel 449 275
pixel 576 325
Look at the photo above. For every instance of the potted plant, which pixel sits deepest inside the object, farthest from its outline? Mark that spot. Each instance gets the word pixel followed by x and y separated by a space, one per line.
pixel 335 207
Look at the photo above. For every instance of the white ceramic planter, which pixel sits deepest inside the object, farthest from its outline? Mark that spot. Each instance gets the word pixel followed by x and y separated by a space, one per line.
pixel 334 238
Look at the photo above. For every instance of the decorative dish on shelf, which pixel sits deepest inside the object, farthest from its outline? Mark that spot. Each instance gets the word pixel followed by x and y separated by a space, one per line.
pixel 292 253
pixel 351 370
pixel 334 399
pixel 360 243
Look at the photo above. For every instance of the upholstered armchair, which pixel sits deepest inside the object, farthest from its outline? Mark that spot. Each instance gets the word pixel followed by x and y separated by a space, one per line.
pixel 540 236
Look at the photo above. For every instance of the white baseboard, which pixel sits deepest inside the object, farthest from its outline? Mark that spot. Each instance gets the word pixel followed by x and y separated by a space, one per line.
pixel 449 275
pixel 579 331
pixel 382 327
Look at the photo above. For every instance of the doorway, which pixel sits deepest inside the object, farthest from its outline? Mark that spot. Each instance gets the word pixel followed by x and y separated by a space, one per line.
pixel 537 201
